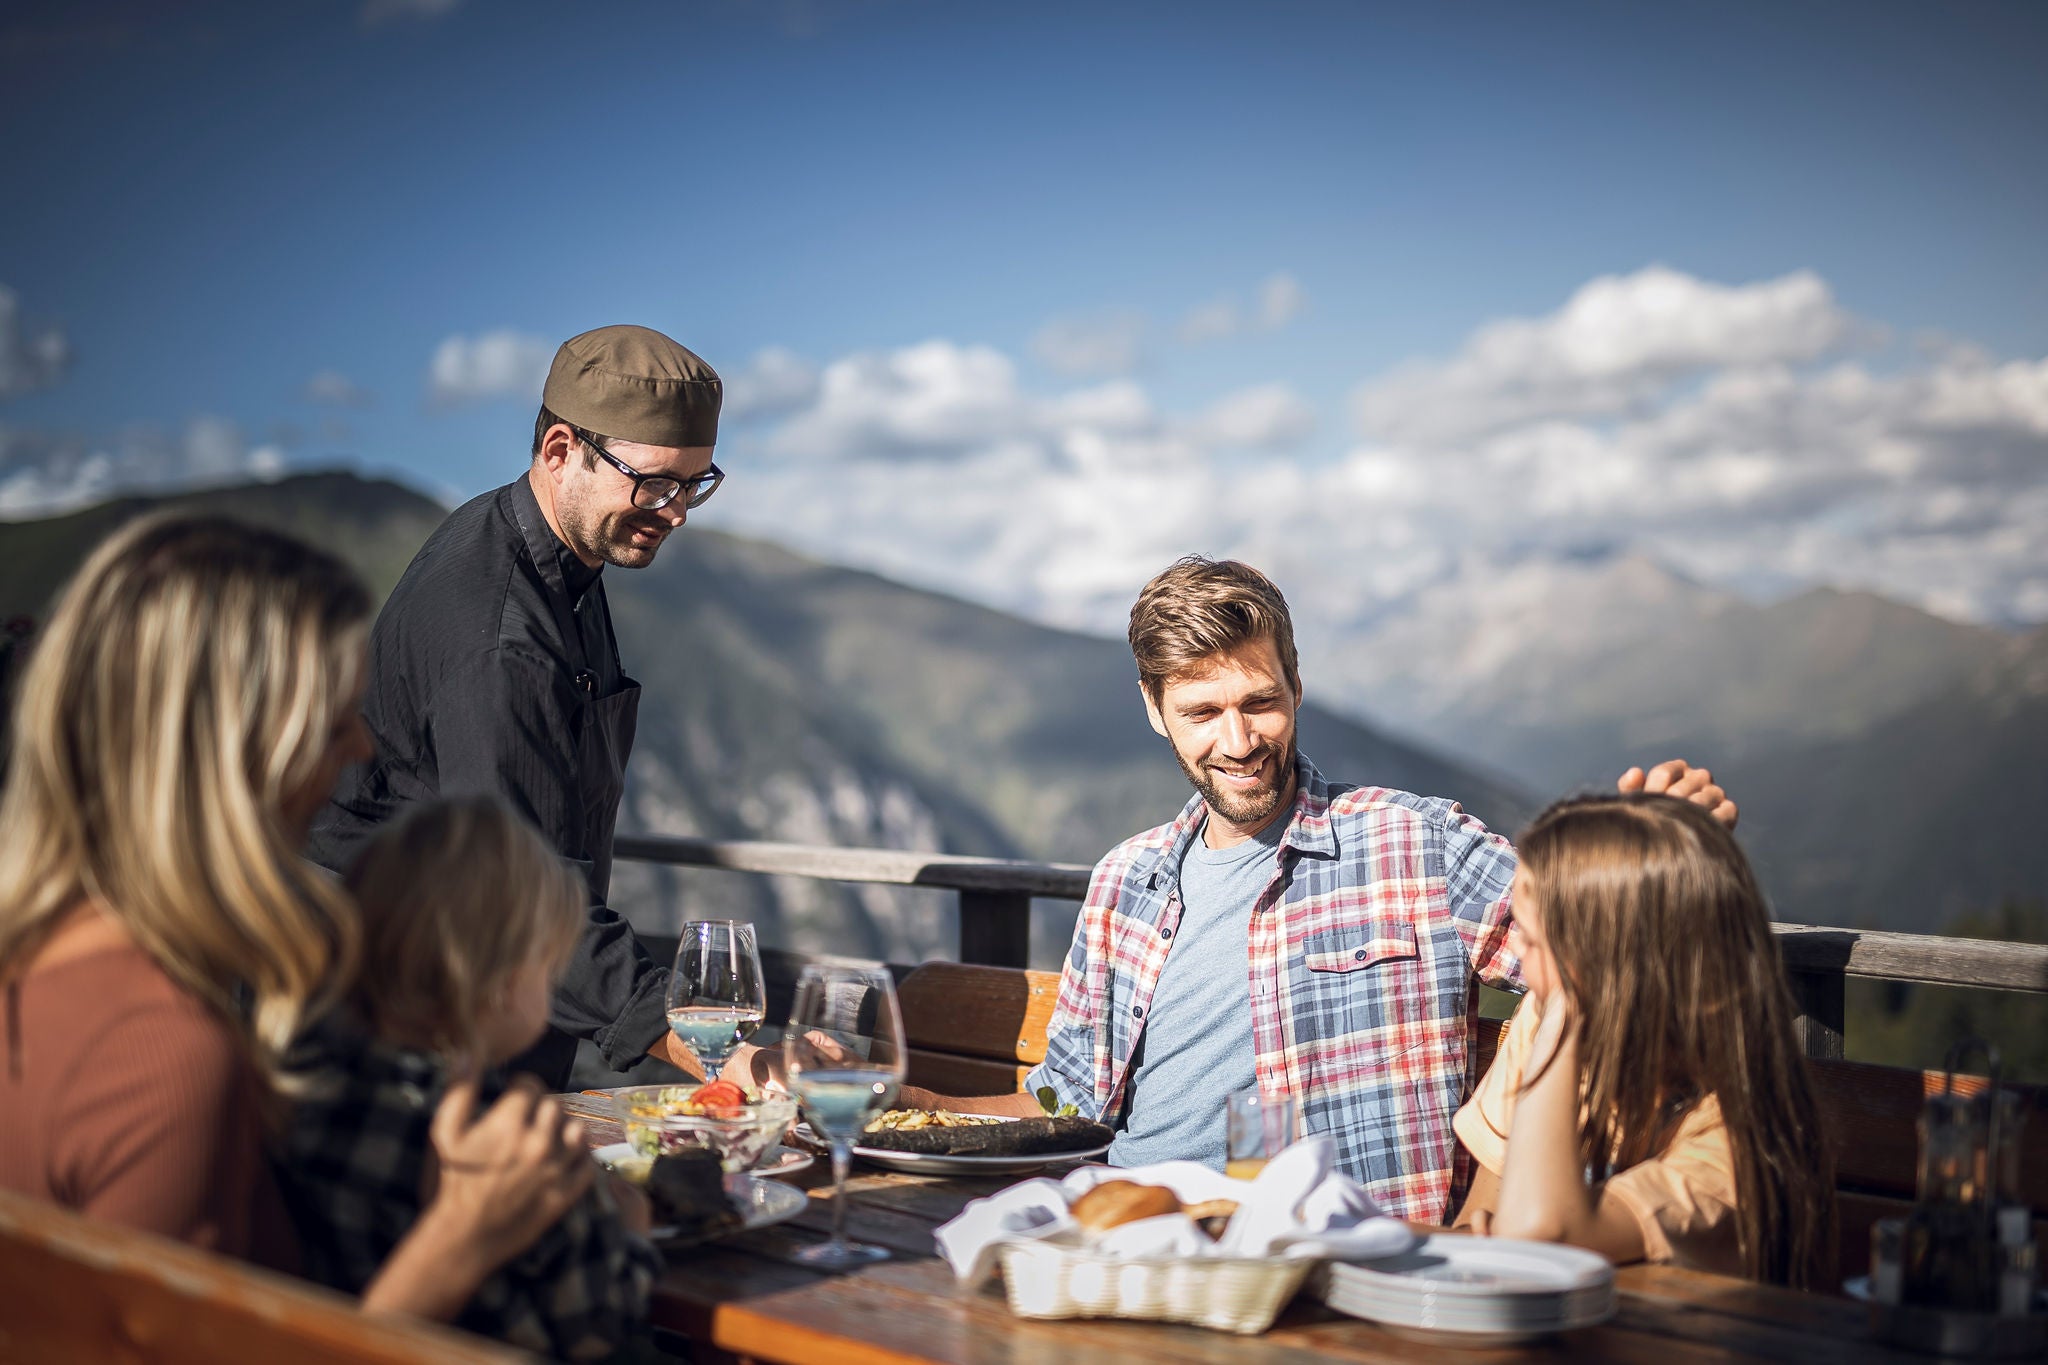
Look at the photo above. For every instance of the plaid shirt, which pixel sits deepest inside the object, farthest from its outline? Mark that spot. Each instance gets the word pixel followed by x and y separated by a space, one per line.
pixel 1381 910
pixel 351 1165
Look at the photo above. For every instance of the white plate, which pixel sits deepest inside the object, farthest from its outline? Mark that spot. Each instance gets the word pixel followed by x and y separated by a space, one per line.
pixel 1479 1267
pixel 1478 1290
pixel 777 1160
pixel 928 1163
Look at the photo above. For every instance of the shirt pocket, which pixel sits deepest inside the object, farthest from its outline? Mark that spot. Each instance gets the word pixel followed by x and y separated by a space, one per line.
pixel 1356 946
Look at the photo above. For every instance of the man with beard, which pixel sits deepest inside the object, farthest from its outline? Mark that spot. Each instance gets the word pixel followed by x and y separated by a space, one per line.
pixel 493 667
pixel 1318 939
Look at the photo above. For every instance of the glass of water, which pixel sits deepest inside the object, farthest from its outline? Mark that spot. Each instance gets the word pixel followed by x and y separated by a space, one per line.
pixel 716 994
pixel 843 1056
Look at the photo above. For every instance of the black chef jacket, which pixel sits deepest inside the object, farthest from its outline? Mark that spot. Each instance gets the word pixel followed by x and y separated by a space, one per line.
pixel 493 669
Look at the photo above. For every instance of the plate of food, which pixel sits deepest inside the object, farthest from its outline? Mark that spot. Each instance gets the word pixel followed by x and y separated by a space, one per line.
pixel 938 1142
pixel 696 1200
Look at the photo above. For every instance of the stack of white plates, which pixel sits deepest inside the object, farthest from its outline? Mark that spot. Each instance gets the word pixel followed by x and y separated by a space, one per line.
pixel 1480 1289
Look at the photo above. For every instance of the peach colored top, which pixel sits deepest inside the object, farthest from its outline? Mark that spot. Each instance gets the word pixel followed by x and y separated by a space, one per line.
pixel 1683 1199
pixel 125 1098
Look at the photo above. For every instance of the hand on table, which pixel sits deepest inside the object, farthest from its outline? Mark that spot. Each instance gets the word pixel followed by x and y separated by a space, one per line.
pixel 761 1068
pixel 1676 777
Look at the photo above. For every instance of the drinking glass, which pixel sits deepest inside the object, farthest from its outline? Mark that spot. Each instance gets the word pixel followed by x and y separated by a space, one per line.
pixel 843 1055
pixel 1260 1125
pixel 716 995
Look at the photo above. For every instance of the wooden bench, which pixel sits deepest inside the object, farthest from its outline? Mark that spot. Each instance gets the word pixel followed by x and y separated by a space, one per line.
pixel 976 1030
pixel 73 1289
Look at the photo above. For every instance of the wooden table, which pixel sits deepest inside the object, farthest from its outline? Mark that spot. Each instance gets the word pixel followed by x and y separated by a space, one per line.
pixel 743 1298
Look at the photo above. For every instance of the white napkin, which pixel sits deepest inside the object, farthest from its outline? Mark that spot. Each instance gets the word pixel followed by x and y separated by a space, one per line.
pixel 1298 1207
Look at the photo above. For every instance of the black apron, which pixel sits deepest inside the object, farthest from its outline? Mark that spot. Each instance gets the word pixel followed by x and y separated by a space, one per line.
pixel 604 741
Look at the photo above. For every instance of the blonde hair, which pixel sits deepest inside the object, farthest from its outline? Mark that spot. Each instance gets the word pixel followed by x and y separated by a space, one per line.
pixel 456 896
pixel 189 682
pixel 1201 607
pixel 1662 940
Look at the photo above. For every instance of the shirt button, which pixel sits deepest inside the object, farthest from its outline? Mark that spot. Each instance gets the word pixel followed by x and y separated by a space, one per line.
pixel 1166 932
pixel 1358 956
pixel 1138 1011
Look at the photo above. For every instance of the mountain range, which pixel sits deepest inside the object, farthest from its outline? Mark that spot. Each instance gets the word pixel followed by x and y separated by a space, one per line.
pixel 1892 765
pixel 788 699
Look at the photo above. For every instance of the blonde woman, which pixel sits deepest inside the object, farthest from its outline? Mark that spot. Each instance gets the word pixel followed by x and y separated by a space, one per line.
pixel 1654 1053
pixel 184 715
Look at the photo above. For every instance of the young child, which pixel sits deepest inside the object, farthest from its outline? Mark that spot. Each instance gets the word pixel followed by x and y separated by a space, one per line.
pixel 1650 1101
pixel 467 919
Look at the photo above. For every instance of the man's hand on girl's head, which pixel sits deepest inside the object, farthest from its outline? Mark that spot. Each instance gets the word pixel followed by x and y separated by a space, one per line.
pixel 1676 777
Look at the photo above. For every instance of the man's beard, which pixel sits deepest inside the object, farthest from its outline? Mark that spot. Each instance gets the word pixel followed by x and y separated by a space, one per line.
pixel 611 540
pixel 1253 807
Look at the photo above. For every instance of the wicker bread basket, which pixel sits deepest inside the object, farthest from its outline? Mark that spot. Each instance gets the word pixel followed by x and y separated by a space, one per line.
pixel 1047 1279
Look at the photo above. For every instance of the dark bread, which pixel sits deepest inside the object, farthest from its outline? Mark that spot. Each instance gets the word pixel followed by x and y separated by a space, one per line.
pixel 687 1190
pixel 1024 1137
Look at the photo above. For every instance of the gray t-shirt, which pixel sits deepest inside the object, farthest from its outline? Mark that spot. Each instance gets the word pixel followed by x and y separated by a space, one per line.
pixel 1197 1043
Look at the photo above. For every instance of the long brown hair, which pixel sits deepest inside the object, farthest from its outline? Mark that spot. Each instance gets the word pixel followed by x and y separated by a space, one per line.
pixel 1662 940
pixel 189 681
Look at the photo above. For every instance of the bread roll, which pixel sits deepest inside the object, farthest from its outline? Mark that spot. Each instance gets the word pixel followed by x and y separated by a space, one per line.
pixel 1116 1202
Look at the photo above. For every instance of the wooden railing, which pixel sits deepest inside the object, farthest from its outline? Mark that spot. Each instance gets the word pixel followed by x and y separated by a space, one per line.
pixel 995 922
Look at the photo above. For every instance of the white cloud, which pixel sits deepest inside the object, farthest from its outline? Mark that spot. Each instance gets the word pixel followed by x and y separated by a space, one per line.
pixel 1280 301
pixel 1268 417
pixel 44 473
pixel 28 360
pixel 934 399
pixel 1211 321
pixel 775 381
pixel 336 389
pixel 1105 344
pixel 1617 342
pixel 499 364
pixel 1730 431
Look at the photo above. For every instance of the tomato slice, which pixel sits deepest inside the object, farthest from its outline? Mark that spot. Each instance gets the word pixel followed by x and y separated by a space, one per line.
pixel 718 1095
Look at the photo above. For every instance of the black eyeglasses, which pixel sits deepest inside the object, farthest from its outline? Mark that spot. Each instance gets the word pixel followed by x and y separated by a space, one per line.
pixel 652 492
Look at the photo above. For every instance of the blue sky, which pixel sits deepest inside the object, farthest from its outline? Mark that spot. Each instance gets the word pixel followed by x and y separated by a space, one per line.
pixel 211 205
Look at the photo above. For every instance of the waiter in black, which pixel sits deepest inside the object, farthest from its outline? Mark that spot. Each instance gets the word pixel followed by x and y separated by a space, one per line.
pixel 493 668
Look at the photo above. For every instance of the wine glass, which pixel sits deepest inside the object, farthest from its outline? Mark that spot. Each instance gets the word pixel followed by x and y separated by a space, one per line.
pixel 843 1055
pixel 716 994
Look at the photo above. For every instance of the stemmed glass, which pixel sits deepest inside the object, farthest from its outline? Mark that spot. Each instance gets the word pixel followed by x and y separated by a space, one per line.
pixel 716 994
pixel 843 1055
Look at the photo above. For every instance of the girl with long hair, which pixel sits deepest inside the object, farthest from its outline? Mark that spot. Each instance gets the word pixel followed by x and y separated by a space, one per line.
pixel 1650 1101
pixel 185 713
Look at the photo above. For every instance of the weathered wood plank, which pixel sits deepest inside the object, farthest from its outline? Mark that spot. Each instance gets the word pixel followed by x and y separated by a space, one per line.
pixel 1930 958
pixel 981 1011
pixel 897 867
pixel 951 1074
pixel 1933 959
pixel 1823 1013
pixel 77 1289
pixel 1871 1112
